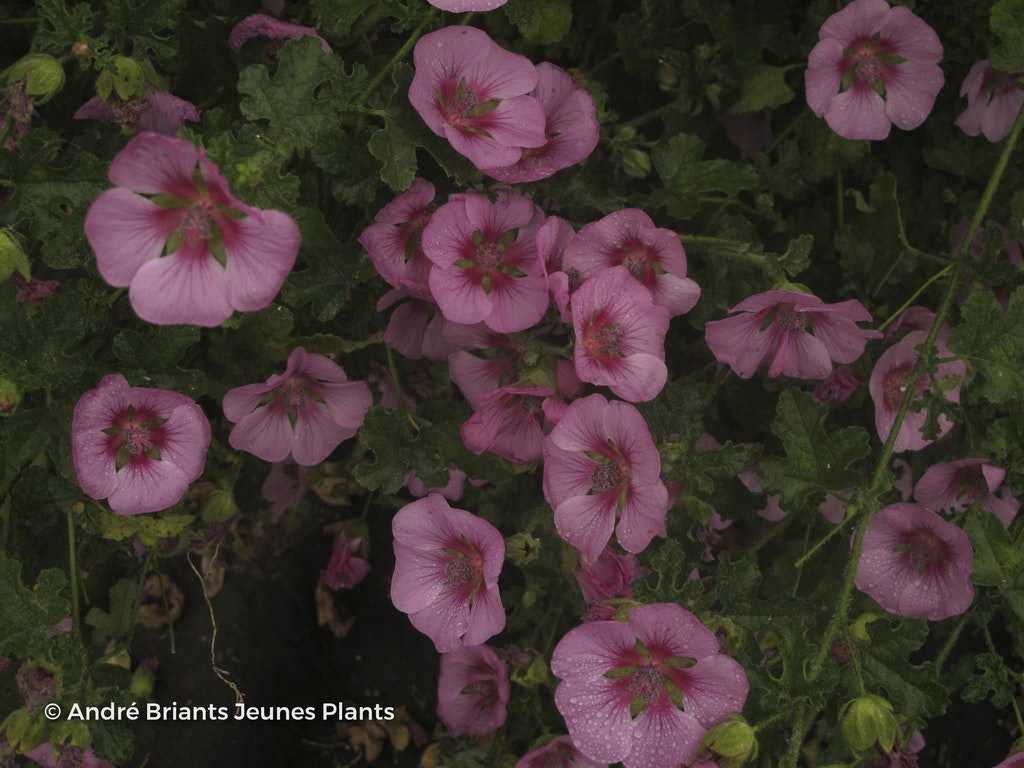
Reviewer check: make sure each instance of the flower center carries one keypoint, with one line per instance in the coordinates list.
(605, 477)
(488, 255)
(636, 262)
(791, 321)
(295, 398)
(610, 339)
(647, 683)
(137, 439)
(196, 223)
(894, 385)
(458, 571)
(925, 550)
(868, 69)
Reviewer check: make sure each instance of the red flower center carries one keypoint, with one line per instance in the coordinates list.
(459, 571)
(197, 222)
(606, 476)
(647, 683)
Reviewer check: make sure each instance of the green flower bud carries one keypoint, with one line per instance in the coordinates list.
(142, 683)
(43, 76)
(124, 78)
(12, 257)
(636, 163)
(9, 397)
(218, 506)
(521, 548)
(867, 721)
(733, 740)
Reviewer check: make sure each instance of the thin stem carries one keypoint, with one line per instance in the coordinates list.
(799, 573)
(76, 626)
(401, 54)
(947, 647)
(840, 201)
(166, 604)
(785, 132)
(941, 273)
(828, 537)
(796, 740)
(647, 117)
(395, 381)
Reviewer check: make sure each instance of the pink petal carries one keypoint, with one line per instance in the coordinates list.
(260, 255)
(265, 433)
(586, 522)
(126, 231)
(910, 91)
(186, 287)
(154, 164)
(147, 485)
(858, 113)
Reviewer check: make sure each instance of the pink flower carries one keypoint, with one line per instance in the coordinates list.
(608, 576)
(1015, 760)
(304, 413)
(994, 100)
(416, 328)
(472, 691)
(462, 6)
(653, 255)
(889, 381)
(66, 755)
(620, 335)
(345, 570)
(447, 563)
(137, 448)
(192, 253)
(508, 422)
(837, 387)
(914, 563)
(157, 111)
(866, 50)
(601, 465)
(452, 491)
(394, 243)
(571, 129)
(794, 334)
(259, 24)
(640, 690)
(955, 485)
(32, 291)
(284, 487)
(486, 265)
(474, 93)
(557, 753)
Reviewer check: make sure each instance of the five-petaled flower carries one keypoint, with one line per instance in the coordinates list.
(305, 413)
(874, 66)
(447, 563)
(994, 99)
(138, 448)
(914, 563)
(188, 250)
(954, 485)
(642, 690)
(472, 691)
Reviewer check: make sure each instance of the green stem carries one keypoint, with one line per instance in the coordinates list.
(947, 647)
(395, 381)
(167, 605)
(647, 117)
(401, 54)
(892, 318)
(76, 626)
(840, 199)
(828, 537)
(796, 740)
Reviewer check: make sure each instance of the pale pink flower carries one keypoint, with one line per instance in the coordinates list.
(837, 387)
(463, 6)
(394, 242)
(954, 485)
(447, 563)
(474, 93)
(560, 752)
(416, 328)
(889, 381)
(637, 691)
(486, 265)
(138, 448)
(472, 691)
(620, 335)
(261, 25)
(509, 422)
(653, 255)
(864, 51)
(345, 569)
(284, 487)
(571, 129)
(994, 100)
(793, 333)
(602, 474)
(156, 111)
(189, 252)
(305, 413)
(914, 563)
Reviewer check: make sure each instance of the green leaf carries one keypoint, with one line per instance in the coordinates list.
(762, 86)
(26, 614)
(398, 159)
(149, 529)
(155, 348)
(549, 22)
(992, 344)
(398, 447)
(686, 176)
(796, 259)
(1007, 21)
(670, 580)
(816, 461)
(913, 689)
(149, 25)
(998, 562)
(993, 676)
(124, 607)
(62, 25)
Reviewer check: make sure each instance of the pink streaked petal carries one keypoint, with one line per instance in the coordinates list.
(265, 433)
(444, 621)
(801, 356)
(316, 435)
(589, 650)
(738, 342)
(998, 118)
(261, 25)
(677, 294)
(843, 340)
(516, 122)
(712, 689)
(911, 37)
(218, 190)
(241, 401)
(476, 377)
(518, 303)
(566, 473)
(910, 91)
(147, 485)
(587, 522)
(459, 295)
(1005, 507)
(486, 617)
(671, 630)
(260, 255)
(596, 707)
(154, 164)
(824, 75)
(858, 113)
(166, 113)
(481, 150)
(463, 6)
(857, 22)
(95, 462)
(187, 287)
(409, 205)
(418, 578)
(643, 516)
(185, 439)
(660, 730)
(127, 230)
(347, 403)
(637, 378)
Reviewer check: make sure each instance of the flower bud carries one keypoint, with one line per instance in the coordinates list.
(12, 257)
(9, 397)
(218, 506)
(867, 721)
(521, 548)
(143, 680)
(43, 76)
(124, 77)
(732, 740)
(636, 163)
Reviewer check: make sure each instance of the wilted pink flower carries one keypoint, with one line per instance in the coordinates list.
(994, 100)
(156, 111)
(866, 50)
(889, 381)
(191, 253)
(462, 6)
(32, 291)
(474, 93)
(914, 563)
(608, 576)
(345, 570)
(36, 685)
(954, 485)
(138, 448)
(653, 255)
(447, 563)
(620, 335)
(508, 422)
(793, 333)
(472, 691)
(601, 474)
(261, 25)
(837, 387)
(416, 328)
(66, 755)
(394, 242)
(557, 753)
(284, 487)
(571, 129)
(638, 691)
(486, 265)
(452, 491)
(305, 413)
